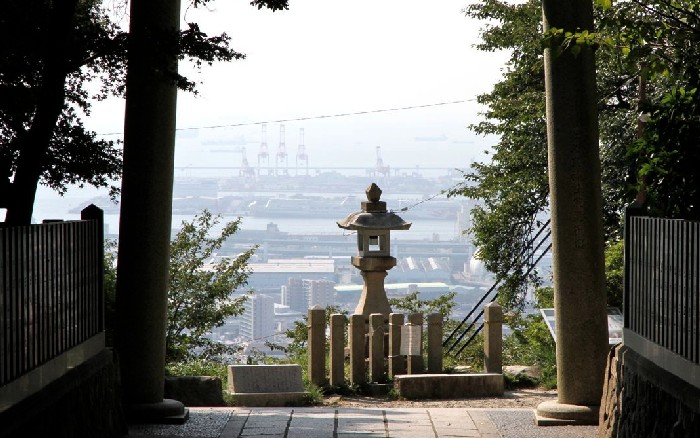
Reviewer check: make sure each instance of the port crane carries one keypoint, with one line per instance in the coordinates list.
(263, 155)
(301, 153)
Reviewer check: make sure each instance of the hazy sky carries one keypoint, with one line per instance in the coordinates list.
(325, 57)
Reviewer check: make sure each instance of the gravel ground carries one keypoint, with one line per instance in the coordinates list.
(521, 424)
(203, 423)
(518, 399)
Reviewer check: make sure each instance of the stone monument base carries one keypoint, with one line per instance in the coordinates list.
(270, 399)
(441, 386)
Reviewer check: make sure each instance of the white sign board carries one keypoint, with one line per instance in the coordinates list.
(410, 340)
(615, 323)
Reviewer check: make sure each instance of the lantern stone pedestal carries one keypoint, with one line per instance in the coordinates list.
(373, 298)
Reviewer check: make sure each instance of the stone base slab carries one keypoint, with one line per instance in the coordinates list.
(553, 413)
(269, 399)
(426, 386)
(168, 411)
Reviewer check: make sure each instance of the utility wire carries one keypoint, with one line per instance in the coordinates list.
(323, 116)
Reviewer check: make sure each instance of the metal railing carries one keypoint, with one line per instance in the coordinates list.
(471, 325)
(51, 292)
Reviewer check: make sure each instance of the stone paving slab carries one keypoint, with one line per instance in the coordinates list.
(326, 422)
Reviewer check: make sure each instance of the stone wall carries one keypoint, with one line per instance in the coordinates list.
(642, 400)
(85, 402)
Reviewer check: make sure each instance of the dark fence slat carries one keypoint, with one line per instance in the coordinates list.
(50, 284)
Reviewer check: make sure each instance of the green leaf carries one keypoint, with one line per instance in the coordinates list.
(604, 4)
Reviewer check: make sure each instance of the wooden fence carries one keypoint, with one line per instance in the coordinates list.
(662, 292)
(51, 296)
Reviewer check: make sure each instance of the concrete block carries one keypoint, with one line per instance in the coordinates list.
(438, 386)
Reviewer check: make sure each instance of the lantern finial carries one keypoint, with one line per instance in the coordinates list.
(373, 193)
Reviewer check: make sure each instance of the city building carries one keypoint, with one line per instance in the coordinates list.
(258, 318)
(319, 292)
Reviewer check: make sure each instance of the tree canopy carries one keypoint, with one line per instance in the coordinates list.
(56, 59)
(199, 295)
(647, 76)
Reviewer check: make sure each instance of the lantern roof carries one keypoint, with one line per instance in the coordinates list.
(374, 215)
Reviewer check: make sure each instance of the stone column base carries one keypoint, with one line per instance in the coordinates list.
(553, 413)
(166, 412)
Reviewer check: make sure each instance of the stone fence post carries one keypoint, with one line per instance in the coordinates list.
(493, 338)
(397, 363)
(415, 363)
(317, 345)
(376, 347)
(337, 356)
(435, 343)
(356, 338)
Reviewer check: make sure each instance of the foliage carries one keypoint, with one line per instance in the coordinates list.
(614, 274)
(472, 355)
(412, 304)
(56, 59)
(199, 296)
(298, 337)
(199, 367)
(513, 187)
(530, 342)
(110, 290)
(648, 70)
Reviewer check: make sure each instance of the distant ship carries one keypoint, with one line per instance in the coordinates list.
(324, 207)
(304, 206)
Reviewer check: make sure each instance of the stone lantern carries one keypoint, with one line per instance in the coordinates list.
(373, 225)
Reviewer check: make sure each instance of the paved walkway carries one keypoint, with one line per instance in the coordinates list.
(328, 422)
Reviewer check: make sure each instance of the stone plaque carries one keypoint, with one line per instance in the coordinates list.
(264, 378)
(411, 340)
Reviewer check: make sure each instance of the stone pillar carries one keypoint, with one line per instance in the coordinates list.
(493, 338)
(337, 356)
(435, 343)
(317, 345)
(397, 363)
(575, 203)
(376, 347)
(146, 211)
(356, 338)
(415, 363)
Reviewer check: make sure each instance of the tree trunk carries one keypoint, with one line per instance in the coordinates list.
(35, 142)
